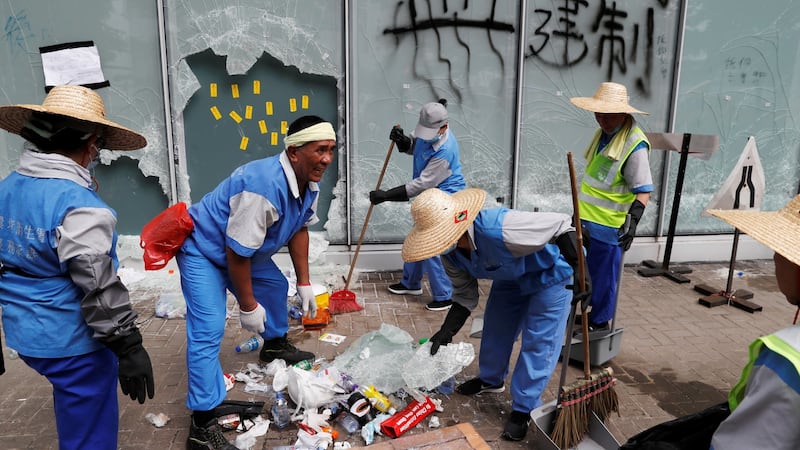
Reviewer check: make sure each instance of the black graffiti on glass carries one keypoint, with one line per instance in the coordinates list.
(436, 22)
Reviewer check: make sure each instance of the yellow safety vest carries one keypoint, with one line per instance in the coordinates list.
(605, 196)
(785, 342)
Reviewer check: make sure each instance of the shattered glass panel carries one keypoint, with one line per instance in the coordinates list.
(740, 77)
(571, 47)
(415, 52)
(136, 183)
(241, 73)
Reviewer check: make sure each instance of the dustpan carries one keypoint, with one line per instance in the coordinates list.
(598, 437)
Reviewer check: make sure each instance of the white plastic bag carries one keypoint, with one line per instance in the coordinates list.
(310, 389)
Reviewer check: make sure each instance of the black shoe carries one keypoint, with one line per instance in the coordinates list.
(605, 326)
(281, 348)
(439, 305)
(476, 386)
(517, 426)
(208, 437)
(400, 289)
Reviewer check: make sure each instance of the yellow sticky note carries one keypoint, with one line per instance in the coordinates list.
(292, 104)
(256, 87)
(262, 125)
(243, 143)
(213, 88)
(304, 102)
(248, 112)
(235, 116)
(274, 138)
(269, 108)
(216, 112)
(235, 90)
(284, 126)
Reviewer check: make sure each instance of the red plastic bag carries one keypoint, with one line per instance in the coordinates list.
(163, 236)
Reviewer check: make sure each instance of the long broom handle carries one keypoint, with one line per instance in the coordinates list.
(366, 219)
(581, 263)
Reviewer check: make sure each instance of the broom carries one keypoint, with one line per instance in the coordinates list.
(344, 301)
(595, 393)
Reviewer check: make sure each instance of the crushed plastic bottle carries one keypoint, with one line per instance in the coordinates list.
(249, 345)
(280, 411)
(12, 354)
(376, 398)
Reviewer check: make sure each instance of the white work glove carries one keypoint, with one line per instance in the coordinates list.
(253, 320)
(306, 294)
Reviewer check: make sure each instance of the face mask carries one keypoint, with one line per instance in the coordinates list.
(96, 160)
(433, 140)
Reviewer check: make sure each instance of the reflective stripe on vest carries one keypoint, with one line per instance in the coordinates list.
(785, 342)
(605, 196)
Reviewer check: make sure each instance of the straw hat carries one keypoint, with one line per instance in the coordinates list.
(75, 102)
(778, 230)
(439, 220)
(608, 98)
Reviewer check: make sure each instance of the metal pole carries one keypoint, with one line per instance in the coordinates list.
(518, 110)
(162, 43)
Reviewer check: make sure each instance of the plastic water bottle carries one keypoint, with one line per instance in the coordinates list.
(280, 411)
(249, 345)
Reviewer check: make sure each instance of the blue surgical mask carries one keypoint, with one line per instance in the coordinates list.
(434, 139)
(96, 160)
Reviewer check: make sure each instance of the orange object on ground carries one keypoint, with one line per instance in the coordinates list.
(322, 320)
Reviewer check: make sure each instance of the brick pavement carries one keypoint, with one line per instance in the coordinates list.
(677, 357)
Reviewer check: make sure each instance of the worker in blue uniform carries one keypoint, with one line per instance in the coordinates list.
(531, 258)
(436, 164)
(65, 310)
(262, 206)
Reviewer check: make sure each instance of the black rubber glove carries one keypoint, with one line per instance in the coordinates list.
(452, 323)
(397, 194)
(135, 370)
(568, 245)
(403, 142)
(626, 235)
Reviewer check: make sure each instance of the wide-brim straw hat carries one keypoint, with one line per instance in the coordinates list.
(439, 221)
(609, 98)
(778, 230)
(75, 102)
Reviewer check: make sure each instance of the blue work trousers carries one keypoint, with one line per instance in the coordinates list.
(205, 289)
(441, 288)
(541, 319)
(84, 398)
(603, 262)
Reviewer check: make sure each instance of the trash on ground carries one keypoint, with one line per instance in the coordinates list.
(171, 305)
(159, 420)
(331, 338)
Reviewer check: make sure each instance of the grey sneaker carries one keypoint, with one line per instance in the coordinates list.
(208, 437)
(477, 386)
(400, 289)
(281, 348)
(440, 305)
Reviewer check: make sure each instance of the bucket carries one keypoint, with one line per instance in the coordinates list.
(321, 295)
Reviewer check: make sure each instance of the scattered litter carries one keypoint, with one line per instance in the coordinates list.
(341, 445)
(247, 440)
(159, 420)
(230, 381)
(316, 440)
(331, 338)
(434, 422)
(372, 427)
(171, 305)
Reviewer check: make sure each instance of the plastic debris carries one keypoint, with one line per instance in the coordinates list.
(159, 420)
